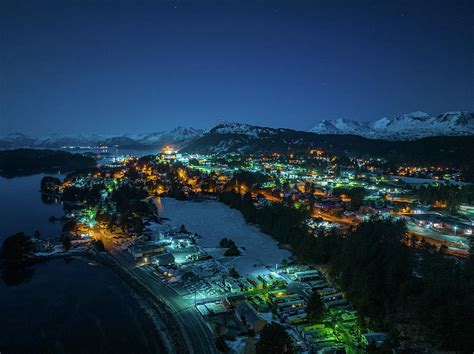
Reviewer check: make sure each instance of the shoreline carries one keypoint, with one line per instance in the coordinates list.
(162, 317)
(159, 314)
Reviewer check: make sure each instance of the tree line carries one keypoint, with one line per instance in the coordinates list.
(453, 196)
(28, 161)
(401, 289)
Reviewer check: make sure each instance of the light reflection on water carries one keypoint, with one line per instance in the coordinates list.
(63, 306)
(22, 208)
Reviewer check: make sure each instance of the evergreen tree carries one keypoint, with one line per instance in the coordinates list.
(274, 340)
(17, 248)
(315, 307)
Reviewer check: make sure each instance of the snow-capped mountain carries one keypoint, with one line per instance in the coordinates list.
(57, 140)
(244, 138)
(340, 125)
(16, 139)
(247, 139)
(237, 136)
(179, 136)
(243, 129)
(175, 135)
(409, 126)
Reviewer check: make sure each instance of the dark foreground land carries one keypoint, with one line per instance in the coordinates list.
(20, 162)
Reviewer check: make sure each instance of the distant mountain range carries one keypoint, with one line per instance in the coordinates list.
(405, 127)
(452, 151)
(178, 137)
(238, 137)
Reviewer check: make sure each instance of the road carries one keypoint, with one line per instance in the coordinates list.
(457, 245)
(347, 221)
(196, 332)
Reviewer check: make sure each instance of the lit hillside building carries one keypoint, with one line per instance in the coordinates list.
(168, 153)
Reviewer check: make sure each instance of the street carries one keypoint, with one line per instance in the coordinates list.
(196, 333)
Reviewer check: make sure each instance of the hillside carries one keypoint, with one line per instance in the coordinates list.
(27, 161)
(247, 139)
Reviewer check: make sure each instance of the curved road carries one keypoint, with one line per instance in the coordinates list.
(196, 332)
(197, 335)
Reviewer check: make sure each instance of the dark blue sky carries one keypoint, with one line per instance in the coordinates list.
(136, 66)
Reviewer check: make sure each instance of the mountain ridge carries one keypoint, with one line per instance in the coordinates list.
(410, 126)
(178, 136)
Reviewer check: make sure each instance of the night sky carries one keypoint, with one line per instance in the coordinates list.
(136, 66)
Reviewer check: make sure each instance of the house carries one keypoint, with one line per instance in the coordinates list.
(286, 298)
(164, 259)
(282, 306)
(310, 275)
(294, 319)
(146, 250)
(334, 349)
(247, 314)
(327, 291)
(377, 338)
(343, 303)
(349, 316)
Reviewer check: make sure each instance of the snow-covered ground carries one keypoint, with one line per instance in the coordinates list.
(416, 180)
(213, 221)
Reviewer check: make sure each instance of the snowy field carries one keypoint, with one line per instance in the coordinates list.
(213, 221)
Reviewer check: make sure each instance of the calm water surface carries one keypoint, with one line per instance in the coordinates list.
(64, 306)
(22, 208)
(73, 307)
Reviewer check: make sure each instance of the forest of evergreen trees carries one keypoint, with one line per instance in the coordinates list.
(19, 162)
(409, 292)
(452, 195)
